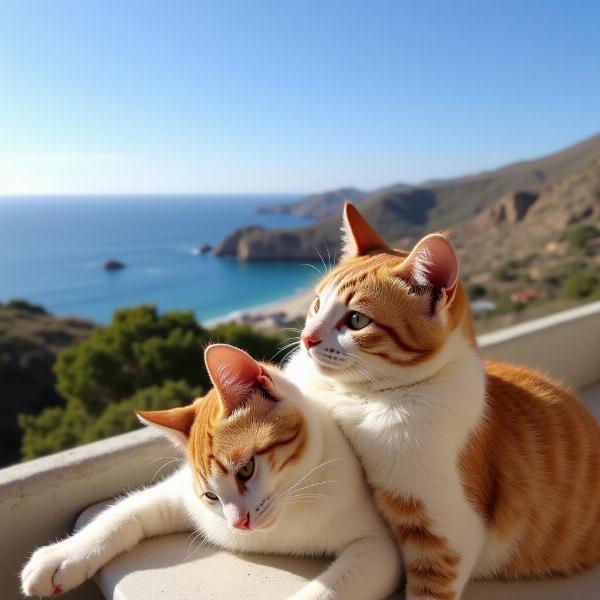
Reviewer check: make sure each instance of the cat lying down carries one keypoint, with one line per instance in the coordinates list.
(267, 471)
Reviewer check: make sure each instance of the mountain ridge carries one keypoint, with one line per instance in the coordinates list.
(398, 212)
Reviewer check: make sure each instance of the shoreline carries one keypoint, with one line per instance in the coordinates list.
(270, 314)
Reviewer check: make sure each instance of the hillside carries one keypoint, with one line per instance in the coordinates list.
(541, 248)
(316, 206)
(29, 342)
(399, 213)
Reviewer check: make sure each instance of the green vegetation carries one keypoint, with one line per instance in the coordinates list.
(578, 237)
(141, 360)
(507, 271)
(506, 305)
(582, 285)
(476, 291)
(26, 306)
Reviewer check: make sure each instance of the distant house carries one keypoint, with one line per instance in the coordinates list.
(483, 306)
(525, 296)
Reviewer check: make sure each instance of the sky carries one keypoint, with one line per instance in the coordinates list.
(286, 96)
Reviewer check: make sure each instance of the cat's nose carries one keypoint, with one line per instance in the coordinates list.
(310, 340)
(243, 522)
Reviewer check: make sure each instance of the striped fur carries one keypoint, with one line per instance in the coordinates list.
(480, 469)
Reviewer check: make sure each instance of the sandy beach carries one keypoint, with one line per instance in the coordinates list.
(270, 316)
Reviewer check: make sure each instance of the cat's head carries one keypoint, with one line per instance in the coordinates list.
(245, 439)
(382, 311)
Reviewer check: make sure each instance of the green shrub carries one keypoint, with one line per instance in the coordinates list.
(578, 237)
(581, 285)
(141, 360)
(507, 305)
(507, 272)
(120, 417)
(26, 306)
(476, 291)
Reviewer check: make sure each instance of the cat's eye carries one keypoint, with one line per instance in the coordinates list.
(246, 471)
(317, 304)
(357, 320)
(211, 496)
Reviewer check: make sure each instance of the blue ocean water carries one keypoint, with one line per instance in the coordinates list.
(52, 250)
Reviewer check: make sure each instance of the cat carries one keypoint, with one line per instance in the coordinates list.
(481, 469)
(267, 471)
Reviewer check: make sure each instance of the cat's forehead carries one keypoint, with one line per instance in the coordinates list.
(220, 445)
(371, 272)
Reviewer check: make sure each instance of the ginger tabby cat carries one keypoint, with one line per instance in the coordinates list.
(481, 469)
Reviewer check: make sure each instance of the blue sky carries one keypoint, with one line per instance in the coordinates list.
(286, 96)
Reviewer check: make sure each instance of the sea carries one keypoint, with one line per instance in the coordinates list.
(52, 250)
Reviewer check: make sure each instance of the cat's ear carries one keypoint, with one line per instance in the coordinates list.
(175, 423)
(358, 237)
(234, 374)
(432, 265)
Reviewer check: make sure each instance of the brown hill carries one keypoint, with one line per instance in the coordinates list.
(317, 206)
(551, 241)
(399, 213)
(29, 342)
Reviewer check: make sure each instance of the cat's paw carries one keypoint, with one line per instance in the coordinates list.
(54, 569)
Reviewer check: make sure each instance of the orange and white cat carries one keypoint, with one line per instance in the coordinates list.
(482, 470)
(268, 471)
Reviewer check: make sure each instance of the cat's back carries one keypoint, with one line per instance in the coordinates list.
(533, 471)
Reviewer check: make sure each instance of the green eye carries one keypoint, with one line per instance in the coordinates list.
(211, 496)
(246, 471)
(317, 304)
(357, 320)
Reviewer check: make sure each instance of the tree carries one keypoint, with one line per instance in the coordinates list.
(141, 360)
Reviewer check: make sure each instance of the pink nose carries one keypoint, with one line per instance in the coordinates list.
(243, 522)
(310, 340)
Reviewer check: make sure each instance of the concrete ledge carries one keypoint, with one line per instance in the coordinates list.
(566, 345)
(167, 567)
(40, 499)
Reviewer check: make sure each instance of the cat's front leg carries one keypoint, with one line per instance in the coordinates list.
(58, 567)
(369, 568)
(441, 541)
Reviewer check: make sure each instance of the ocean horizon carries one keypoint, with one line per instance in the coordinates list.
(52, 250)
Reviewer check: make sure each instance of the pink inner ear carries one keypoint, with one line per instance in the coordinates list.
(442, 269)
(225, 362)
(234, 373)
(433, 262)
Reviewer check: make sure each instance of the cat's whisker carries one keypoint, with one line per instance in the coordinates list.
(313, 496)
(320, 466)
(322, 260)
(314, 485)
(196, 536)
(286, 356)
(364, 363)
(367, 375)
(317, 277)
(166, 458)
(176, 460)
(328, 257)
(284, 348)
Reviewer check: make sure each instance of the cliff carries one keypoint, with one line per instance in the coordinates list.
(400, 213)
